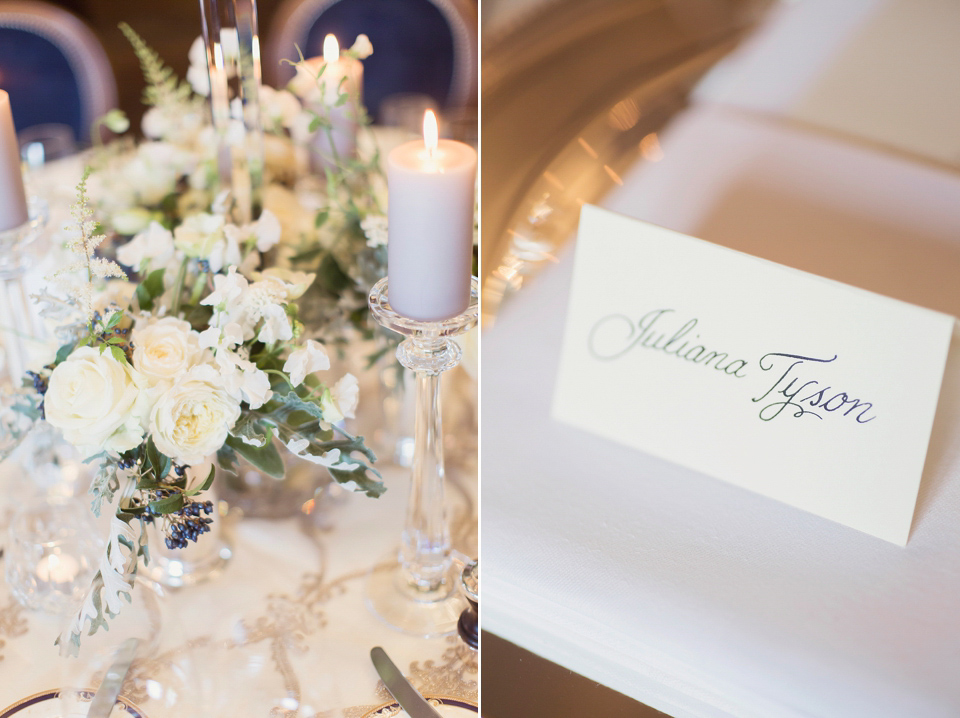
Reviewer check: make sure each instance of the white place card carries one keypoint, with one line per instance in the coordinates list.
(803, 389)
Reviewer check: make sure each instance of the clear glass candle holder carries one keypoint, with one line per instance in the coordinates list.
(51, 554)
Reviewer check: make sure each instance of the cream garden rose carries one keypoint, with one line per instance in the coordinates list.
(96, 402)
(165, 349)
(192, 418)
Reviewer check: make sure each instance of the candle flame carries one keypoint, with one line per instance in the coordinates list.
(331, 49)
(430, 131)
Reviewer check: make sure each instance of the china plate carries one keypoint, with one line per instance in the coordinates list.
(48, 704)
(447, 707)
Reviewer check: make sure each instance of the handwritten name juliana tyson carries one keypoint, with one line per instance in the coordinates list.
(793, 393)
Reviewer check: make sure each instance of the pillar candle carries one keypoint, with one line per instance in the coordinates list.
(341, 73)
(431, 186)
(13, 198)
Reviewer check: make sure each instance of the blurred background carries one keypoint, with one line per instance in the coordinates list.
(425, 54)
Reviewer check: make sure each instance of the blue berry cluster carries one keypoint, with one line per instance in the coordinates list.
(39, 386)
(184, 525)
(187, 524)
(39, 382)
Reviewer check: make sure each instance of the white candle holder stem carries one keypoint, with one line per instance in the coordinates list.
(417, 594)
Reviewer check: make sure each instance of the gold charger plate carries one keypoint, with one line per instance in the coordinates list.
(48, 704)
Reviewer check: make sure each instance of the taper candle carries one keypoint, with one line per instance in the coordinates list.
(431, 186)
(341, 74)
(13, 198)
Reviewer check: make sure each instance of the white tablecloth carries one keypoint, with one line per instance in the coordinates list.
(292, 600)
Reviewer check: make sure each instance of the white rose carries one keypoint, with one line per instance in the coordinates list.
(153, 247)
(309, 358)
(95, 401)
(156, 123)
(165, 349)
(130, 221)
(199, 234)
(192, 418)
(150, 183)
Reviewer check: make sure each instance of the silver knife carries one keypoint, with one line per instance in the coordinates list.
(406, 695)
(106, 696)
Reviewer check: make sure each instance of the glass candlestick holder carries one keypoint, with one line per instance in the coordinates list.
(17, 322)
(418, 595)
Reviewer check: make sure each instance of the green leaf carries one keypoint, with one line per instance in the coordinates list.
(361, 476)
(227, 459)
(341, 100)
(168, 505)
(207, 483)
(292, 403)
(149, 289)
(63, 352)
(118, 354)
(250, 427)
(104, 485)
(330, 277)
(159, 464)
(322, 216)
(114, 320)
(307, 255)
(266, 458)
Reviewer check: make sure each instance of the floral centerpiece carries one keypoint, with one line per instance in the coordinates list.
(164, 381)
(194, 354)
(332, 225)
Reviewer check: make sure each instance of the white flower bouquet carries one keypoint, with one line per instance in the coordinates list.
(163, 382)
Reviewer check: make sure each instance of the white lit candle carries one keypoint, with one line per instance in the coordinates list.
(341, 74)
(13, 199)
(430, 225)
(58, 568)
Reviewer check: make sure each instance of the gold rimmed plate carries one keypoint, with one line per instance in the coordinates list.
(65, 704)
(446, 706)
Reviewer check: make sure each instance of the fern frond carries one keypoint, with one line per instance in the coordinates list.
(163, 86)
